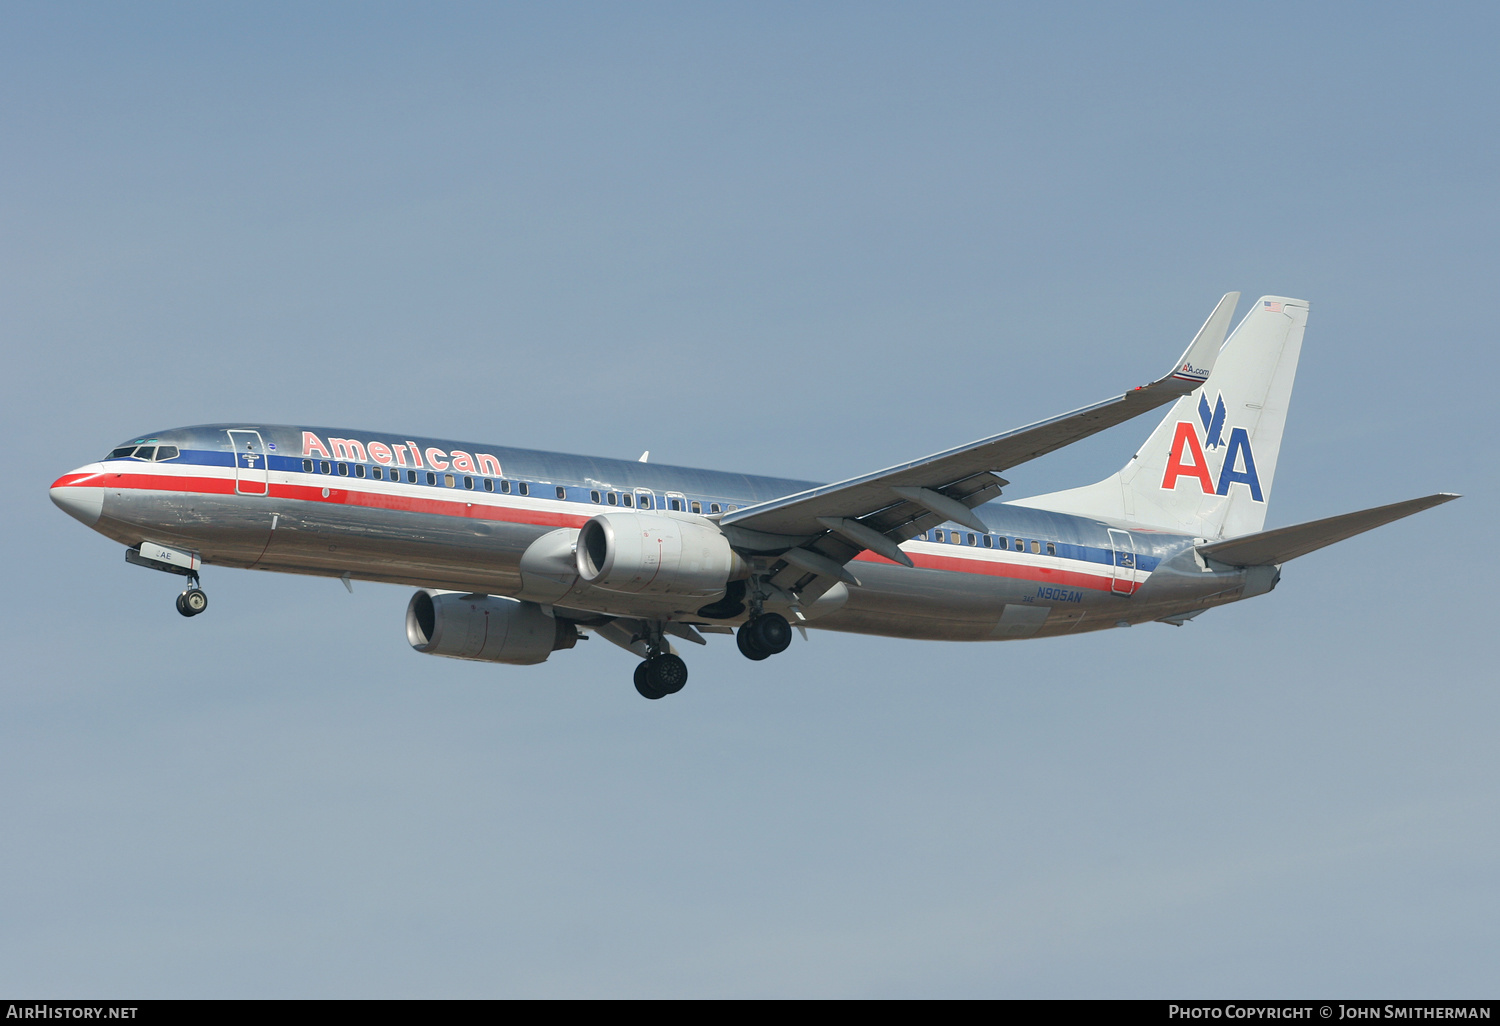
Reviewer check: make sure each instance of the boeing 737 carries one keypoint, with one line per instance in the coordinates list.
(518, 553)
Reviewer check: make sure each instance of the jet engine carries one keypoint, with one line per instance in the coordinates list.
(487, 628)
(651, 554)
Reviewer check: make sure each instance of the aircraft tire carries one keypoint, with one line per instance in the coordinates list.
(667, 673)
(643, 682)
(182, 608)
(771, 632)
(194, 601)
(749, 648)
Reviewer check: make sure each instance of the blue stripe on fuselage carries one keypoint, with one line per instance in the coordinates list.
(1075, 538)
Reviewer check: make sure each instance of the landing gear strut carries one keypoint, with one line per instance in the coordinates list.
(193, 601)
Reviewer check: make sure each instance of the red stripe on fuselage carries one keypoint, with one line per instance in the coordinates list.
(341, 496)
(544, 518)
(1016, 571)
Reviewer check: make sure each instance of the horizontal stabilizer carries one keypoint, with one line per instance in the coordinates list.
(1286, 543)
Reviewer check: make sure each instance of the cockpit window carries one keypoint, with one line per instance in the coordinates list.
(153, 453)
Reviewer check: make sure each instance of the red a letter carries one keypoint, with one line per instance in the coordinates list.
(1187, 438)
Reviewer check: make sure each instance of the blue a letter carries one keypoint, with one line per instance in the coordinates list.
(1239, 442)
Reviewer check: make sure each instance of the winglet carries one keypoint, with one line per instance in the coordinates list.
(1198, 362)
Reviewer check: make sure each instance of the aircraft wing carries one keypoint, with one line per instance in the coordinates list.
(822, 528)
(1284, 543)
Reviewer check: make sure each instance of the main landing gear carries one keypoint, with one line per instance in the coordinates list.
(193, 601)
(663, 672)
(764, 636)
(661, 675)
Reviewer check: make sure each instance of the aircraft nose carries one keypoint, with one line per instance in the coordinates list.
(78, 495)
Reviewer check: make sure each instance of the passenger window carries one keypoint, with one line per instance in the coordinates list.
(697, 506)
(614, 500)
(957, 538)
(166, 452)
(431, 478)
(469, 483)
(377, 473)
(448, 480)
(359, 470)
(593, 496)
(1036, 548)
(1051, 549)
(972, 541)
(562, 493)
(645, 500)
(674, 504)
(989, 542)
(307, 466)
(504, 487)
(732, 507)
(625, 499)
(713, 507)
(489, 485)
(1020, 545)
(411, 477)
(525, 488)
(343, 470)
(937, 536)
(324, 468)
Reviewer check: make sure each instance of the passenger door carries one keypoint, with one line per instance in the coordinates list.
(1123, 572)
(252, 475)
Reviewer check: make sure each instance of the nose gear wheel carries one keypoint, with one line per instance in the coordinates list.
(192, 602)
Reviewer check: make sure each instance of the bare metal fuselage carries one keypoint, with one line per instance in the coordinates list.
(1035, 574)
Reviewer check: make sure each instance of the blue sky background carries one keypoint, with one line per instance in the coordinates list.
(808, 240)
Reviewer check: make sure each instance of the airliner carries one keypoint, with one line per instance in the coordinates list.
(518, 553)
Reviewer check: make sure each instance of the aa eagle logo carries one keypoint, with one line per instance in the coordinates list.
(1189, 459)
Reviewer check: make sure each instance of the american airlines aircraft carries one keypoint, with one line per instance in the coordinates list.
(517, 553)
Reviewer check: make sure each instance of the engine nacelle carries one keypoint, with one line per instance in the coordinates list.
(650, 554)
(487, 628)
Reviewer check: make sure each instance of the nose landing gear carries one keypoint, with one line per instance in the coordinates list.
(184, 564)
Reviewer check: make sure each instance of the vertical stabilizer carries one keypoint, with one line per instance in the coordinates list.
(1207, 468)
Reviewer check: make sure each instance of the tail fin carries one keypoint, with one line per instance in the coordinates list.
(1207, 468)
